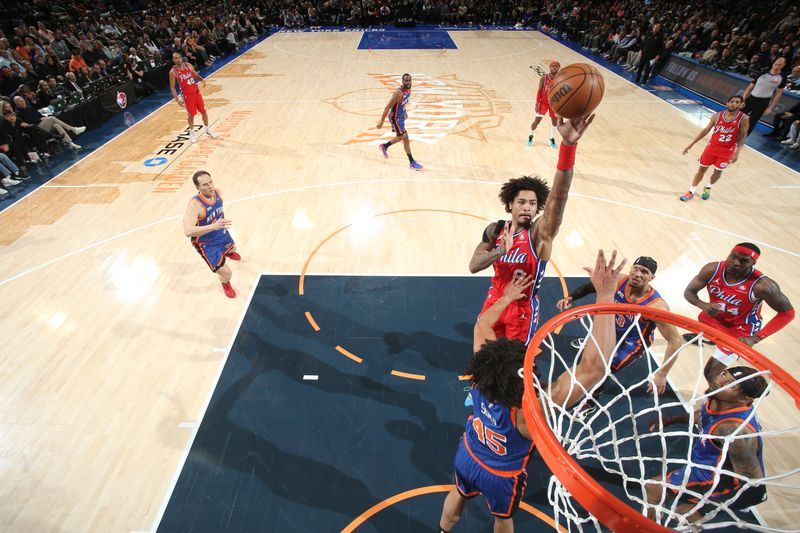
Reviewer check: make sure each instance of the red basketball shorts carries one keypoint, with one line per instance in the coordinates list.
(518, 321)
(544, 109)
(194, 103)
(717, 156)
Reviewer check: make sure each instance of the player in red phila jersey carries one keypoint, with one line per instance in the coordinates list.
(543, 105)
(522, 246)
(727, 138)
(736, 290)
(187, 77)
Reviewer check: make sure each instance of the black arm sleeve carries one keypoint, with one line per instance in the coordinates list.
(583, 290)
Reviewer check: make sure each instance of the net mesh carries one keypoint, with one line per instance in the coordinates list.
(608, 432)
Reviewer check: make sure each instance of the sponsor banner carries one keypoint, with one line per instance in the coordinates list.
(717, 85)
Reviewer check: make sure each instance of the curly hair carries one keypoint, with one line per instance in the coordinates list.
(494, 370)
(512, 187)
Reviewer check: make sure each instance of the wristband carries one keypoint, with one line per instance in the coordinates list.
(566, 157)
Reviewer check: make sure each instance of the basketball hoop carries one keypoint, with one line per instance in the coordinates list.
(613, 439)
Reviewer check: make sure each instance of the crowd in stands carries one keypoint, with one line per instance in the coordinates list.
(62, 51)
(57, 49)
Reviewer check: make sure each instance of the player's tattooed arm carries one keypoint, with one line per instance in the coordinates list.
(553, 213)
(698, 283)
(487, 252)
(766, 289)
(742, 451)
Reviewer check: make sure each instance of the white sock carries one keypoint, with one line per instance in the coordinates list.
(708, 186)
(553, 130)
(692, 189)
(532, 132)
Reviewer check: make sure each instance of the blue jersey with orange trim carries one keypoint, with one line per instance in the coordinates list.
(213, 212)
(740, 307)
(399, 109)
(706, 451)
(492, 439)
(623, 322)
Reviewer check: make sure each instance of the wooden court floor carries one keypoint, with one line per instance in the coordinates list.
(113, 331)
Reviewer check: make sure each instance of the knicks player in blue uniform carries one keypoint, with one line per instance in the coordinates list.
(635, 289)
(205, 224)
(396, 110)
(727, 412)
(496, 445)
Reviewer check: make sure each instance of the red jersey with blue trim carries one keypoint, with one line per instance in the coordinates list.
(726, 132)
(546, 87)
(740, 308)
(520, 259)
(623, 322)
(492, 439)
(186, 80)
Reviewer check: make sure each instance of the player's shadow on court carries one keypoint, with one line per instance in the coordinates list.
(439, 352)
(229, 446)
(289, 362)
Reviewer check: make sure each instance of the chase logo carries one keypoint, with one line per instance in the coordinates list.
(155, 161)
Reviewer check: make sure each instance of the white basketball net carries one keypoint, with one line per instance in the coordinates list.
(615, 439)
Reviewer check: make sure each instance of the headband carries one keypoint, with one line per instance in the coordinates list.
(746, 251)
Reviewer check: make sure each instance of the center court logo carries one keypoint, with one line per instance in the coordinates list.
(439, 106)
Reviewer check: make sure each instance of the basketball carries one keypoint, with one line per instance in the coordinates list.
(576, 90)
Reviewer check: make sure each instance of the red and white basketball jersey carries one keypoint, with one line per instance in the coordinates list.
(521, 258)
(740, 307)
(546, 87)
(186, 80)
(725, 134)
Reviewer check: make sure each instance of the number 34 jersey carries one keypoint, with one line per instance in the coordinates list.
(741, 310)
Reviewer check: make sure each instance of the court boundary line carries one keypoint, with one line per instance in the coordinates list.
(384, 181)
(199, 420)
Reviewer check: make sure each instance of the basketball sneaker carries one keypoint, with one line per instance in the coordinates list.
(192, 137)
(384, 151)
(233, 255)
(530, 140)
(211, 133)
(706, 193)
(415, 166)
(229, 292)
(553, 144)
(688, 196)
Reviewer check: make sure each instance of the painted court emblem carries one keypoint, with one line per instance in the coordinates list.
(439, 106)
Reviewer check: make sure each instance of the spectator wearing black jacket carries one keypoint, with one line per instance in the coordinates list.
(652, 50)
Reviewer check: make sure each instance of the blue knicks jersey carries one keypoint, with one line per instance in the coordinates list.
(708, 451)
(213, 212)
(399, 109)
(492, 439)
(623, 322)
